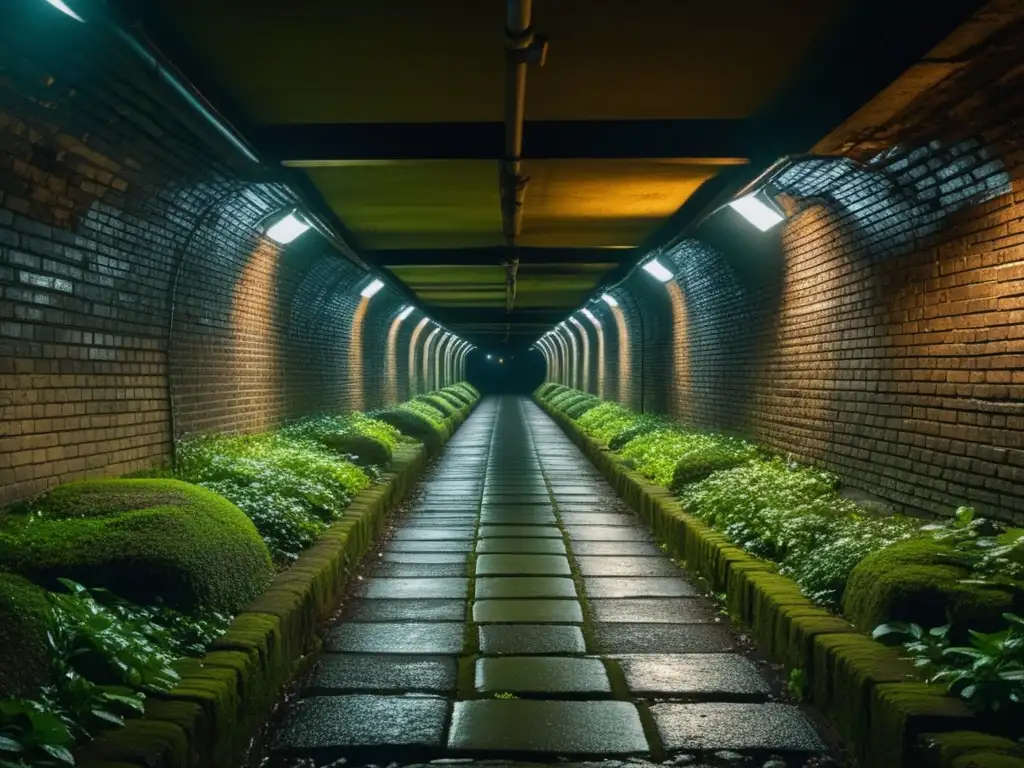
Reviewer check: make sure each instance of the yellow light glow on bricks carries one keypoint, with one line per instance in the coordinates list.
(414, 388)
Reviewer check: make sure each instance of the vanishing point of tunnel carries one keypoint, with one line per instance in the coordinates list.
(511, 382)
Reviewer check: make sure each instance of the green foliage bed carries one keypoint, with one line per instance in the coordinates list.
(873, 568)
(166, 562)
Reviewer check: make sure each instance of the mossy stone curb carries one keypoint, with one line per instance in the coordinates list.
(211, 717)
(870, 694)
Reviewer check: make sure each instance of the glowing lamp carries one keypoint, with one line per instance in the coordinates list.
(756, 211)
(608, 299)
(405, 312)
(657, 270)
(371, 290)
(287, 229)
(60, 6)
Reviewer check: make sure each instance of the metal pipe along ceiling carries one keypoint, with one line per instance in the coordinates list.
(521, 47)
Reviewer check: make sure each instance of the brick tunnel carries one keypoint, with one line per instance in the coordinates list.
(511, 383)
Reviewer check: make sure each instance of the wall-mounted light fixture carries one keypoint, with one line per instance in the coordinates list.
(60, 6)
(371, 290)
(406, 311)
(658, 271)
(759, 209)
(608, 299)
(287, 228)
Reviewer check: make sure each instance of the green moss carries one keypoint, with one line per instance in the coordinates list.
(970, 749)
(365, 449)
(141, 742)
(142, 539)
(921, 580)
(457, 396)
(845, 669)
(437, 401)
(580, 408)
(414, 424)
(900, 714)
(24, 621)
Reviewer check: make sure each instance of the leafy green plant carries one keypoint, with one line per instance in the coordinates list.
(106, 655)
(794, 517)
(641, 425)
(440, 403)
(290, 488)
(425, 410)
(581, 406)
(994, 552)
(606, 420)
(796, 684)
(673, 457)
(988, 674)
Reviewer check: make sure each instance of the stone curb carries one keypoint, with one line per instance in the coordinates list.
(210, 719)
(871, 695)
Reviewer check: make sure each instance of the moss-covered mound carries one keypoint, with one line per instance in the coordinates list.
(24, 621)
(365, 449)
(414, 424)
(459, 396)
(442, 404)
(146, 540)
(586, 403)
(449, 397)
(921, 580)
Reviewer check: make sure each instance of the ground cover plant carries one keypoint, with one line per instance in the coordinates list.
(186, 555)
(291, 488)
(101, 657)
(889, 571)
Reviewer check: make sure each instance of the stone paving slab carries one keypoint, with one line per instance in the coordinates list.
(437, 521)
(524, 587)
(414, 588)
(434, 534)
(521, 639)
(436, 638)
(727, 726)
(527, 611)
(407, 610)
(338, 672)
(626, 566)
(429, 546)
(327, 723)
(520, 531)
(525, 565)
(609, 586)
(521, 546)
(662, 638)
(608, 533)
(620, 548)
(551, 727)
(539, 674)
(597, 518)
(518, 517)
(652, 610)
(419, 570)
(704, 675)
(424, 557)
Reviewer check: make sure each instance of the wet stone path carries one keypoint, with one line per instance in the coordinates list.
(520, 611)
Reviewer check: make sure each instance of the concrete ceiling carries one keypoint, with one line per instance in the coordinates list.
(392, 110)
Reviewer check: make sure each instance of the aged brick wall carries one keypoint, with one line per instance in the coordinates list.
(879, 331)
(113, 208)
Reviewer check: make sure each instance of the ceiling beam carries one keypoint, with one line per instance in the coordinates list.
(468, 257)
(310, 144)
(521, 318)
